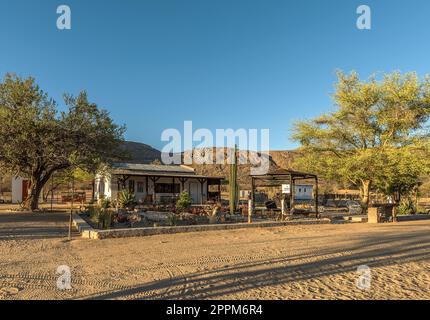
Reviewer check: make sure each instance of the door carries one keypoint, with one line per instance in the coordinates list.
(24, 189)
(195, 192)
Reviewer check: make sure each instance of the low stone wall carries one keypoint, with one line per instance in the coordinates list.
(413, 217)
(90, 233)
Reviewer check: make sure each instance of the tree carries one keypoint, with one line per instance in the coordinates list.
(404, 173)
(373, 121)
(64, 178)
(36, 140)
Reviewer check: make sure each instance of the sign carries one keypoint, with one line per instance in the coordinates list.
(286, 189)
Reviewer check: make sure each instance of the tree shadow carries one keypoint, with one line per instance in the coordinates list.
(373, 252)
(31, 226)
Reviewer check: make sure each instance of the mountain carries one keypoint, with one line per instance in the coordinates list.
(143, 153)
(140, 152)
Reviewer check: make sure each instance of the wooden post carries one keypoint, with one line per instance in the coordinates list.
(219, 191)
(173, 189)
(291, 194)
(71, 208)
(202, 181)
(251, 202)
(52, 191)
(316, 197)
(293, 189)
(153, 191)
(183, 180)
(146, 185)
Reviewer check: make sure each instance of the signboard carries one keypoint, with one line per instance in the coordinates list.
(286, 189)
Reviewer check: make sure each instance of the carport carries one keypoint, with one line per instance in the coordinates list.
(281, 178)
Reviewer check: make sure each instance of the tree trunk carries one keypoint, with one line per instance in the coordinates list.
(35, 190)
(365, 192)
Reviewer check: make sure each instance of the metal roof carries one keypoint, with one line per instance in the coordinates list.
(157, 170)
(153, 167)
(282, 173)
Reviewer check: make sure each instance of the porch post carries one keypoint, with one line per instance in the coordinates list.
(251, 202)
(291, 194)
(154, 193)
(293, 189)
(219, 190)
(316, 197)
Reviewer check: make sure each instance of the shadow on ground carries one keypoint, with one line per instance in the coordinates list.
(374, 251)
(29, 226)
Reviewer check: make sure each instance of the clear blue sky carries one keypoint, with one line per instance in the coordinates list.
(220, 63)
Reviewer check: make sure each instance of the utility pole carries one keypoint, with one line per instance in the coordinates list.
(52, 191)
(71, 208)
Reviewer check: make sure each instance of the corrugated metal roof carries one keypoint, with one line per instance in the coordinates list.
(153, 168)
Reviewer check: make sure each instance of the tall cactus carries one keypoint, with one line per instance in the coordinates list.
(234, 187)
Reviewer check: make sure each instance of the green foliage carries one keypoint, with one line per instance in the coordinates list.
(104, 203)
(184, 201)
(365, 140)
(233, 185)
(101, 216)
(172, 219)
(407, 207)
(36, 140)
(126, 199)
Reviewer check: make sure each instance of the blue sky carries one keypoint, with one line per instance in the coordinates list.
(222, 64)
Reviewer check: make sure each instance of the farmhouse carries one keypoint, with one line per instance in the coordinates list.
(157, 183)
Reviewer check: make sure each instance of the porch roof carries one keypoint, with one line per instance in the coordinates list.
(281, 174)
(150, 170)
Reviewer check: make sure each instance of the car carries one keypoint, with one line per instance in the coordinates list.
(354, 207)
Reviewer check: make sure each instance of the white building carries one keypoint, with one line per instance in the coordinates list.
(19, 189)
(157, 183)
(303, 192)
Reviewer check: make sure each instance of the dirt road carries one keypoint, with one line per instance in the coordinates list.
(295, 262)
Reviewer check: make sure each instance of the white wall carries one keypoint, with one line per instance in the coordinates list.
(17, 189)
(111, 187)
(303, 192)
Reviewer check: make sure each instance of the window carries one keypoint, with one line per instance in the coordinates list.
(167, 188)
(131, 185)
(102, 187)
(140, 187)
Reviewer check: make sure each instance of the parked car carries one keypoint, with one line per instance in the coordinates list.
(350, 206)
(354, 207)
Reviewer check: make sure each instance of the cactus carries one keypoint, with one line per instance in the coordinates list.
(234, 187)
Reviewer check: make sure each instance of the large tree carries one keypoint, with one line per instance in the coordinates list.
(36, 140)
(372, 123)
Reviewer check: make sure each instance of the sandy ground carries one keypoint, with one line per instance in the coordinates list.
(295, 262)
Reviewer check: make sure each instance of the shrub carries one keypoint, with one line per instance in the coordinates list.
(407, 208)
(126, 199)
(104, 203)
(172, 219)
(184, 201)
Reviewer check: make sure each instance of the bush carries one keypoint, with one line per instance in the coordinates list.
(172, 219)
(102, 217)
(406, 208)
(126, 199)
(104, 203)
(184, 201)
